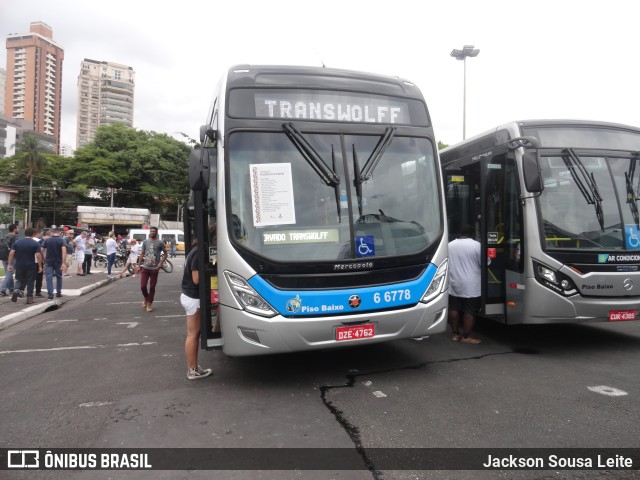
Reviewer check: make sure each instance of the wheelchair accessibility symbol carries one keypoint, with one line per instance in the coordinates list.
(632, 236)
(365, 247)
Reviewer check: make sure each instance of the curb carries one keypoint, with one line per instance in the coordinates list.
(32, 311)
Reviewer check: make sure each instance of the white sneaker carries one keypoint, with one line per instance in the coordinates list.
(198, 372)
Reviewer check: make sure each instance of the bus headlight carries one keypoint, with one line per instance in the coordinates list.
(438, 283)
(554, 279)
(247, 296)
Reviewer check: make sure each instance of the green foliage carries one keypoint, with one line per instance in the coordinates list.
(441, 145)
(146, 170)
(6, 214)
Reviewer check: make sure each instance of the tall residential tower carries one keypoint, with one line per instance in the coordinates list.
(34, 80)
(105, 96)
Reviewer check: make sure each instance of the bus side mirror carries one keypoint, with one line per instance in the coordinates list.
(532, 173)
(206, 132)
(199, 169)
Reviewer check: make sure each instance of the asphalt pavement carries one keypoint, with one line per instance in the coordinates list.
(73, 286)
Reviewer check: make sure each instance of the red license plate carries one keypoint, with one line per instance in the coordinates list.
(622, 315)
(355, 332)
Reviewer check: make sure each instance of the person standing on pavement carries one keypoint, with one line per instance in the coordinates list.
(132, 259)
(80, 248)
(464, 293)
(68, 243)
(40, 273)
(55, 256)
(110, 250)
(190, 300)
(23, 253)
(90, 244)
(172, 246)
(153, 253)
(7, 283)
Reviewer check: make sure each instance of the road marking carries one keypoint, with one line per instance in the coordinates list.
(137, 301)
(130, 324)
(169, 316)
(368, 383)
(56, 321)
(102, 318)
(610, 391)
(95, 404)
(84, 347)
(379, 394)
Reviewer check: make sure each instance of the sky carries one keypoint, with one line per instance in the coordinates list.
(560, 59)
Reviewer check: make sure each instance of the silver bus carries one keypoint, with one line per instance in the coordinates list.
(555, 208)
(326, 192)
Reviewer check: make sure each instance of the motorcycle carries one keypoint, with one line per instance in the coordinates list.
(100, 260)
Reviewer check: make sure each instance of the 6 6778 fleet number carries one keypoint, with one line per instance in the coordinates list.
(392, 296)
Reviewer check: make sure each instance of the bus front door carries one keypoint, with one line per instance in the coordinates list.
(493, 230)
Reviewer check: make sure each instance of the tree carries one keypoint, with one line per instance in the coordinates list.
(32, 159)
(146, 168)
(441, 145)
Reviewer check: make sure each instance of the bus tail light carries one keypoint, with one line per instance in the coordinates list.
(554, 279)
(438, 283)
(247, 296)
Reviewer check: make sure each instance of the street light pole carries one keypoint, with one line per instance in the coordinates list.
(54, 185)
(467, 51)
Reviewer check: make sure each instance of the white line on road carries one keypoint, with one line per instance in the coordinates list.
(610, 391)
(169, 316)
(95, 404)
(379, 394)
(56, 321)
(137, 301)
(130, 324)
(84, 347)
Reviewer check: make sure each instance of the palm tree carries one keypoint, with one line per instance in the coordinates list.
(32, 160)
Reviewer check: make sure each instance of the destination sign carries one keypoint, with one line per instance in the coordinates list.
(336, 107)
(300, 236)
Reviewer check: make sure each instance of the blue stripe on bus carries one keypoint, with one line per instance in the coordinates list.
(292, 303)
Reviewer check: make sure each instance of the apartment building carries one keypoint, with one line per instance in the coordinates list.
(106, 92)
(3, 83)
(33, 89)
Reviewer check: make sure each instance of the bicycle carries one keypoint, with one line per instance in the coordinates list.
(167, 266)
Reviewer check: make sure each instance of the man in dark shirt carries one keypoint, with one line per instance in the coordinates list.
(7, 283)
(24, 251)
(55, 257)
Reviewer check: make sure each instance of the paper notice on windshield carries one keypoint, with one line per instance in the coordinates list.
(272, 194)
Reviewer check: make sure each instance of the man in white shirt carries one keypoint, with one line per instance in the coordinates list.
(80, 246)
(464, 286)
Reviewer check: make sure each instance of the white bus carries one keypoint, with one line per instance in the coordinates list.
(555, 208)
(142, 234)
(325, 187)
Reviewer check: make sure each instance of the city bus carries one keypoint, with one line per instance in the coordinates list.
(325, 190)
(555, 208)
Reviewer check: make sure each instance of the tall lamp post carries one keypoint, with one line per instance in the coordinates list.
(467, 51)
(54, 186)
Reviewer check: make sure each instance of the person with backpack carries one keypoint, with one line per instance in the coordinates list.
(10, 238)
(152, 256)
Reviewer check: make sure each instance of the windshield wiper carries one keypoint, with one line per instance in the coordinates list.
(372, 162)
(632, 195)
(326, 174)
(356, 182)
(585, 183)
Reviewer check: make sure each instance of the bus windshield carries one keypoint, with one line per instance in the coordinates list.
(301, 197)
(589, 202)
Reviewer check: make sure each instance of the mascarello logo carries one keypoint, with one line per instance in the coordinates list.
(603, 257)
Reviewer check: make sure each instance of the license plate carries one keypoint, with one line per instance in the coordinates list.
(355, 332)
(622, 315)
